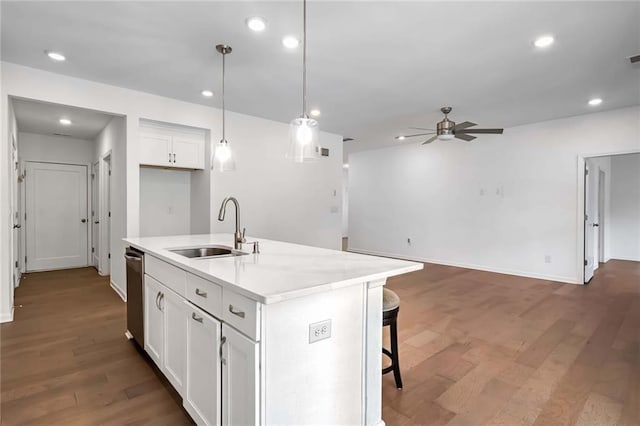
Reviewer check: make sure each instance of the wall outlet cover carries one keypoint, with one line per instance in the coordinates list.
(319, 331)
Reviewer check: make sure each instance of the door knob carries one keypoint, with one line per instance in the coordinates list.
(17, 226)
(84, 221)
(96, 222)
(595, 225)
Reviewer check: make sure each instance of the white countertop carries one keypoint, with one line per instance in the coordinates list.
(280, 271)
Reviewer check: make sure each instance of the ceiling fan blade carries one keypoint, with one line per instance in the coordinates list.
(465, 137)
(464, 125)
(485, 131)
(418, 134)
(422, 128)
(431, 139)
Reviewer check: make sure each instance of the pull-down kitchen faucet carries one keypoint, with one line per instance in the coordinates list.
(238, 236)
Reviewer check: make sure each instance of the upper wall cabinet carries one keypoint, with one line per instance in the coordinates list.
(171, 146)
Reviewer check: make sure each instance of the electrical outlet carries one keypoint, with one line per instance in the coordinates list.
(319, 331)
(547, 259)
(409, 240)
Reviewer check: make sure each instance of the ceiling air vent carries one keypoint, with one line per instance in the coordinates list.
(61, 134)
(635, 59)
(347, 139)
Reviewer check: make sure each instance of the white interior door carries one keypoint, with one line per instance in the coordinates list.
(589, 230)
(15, 212)
(56, 216)
(95, 216)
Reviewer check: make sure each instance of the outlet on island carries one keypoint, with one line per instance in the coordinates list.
(319, 331)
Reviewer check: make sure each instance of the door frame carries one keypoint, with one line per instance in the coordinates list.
(95, 215)
(16, 215)
(580, 211)
(23, 206)
(104, 185)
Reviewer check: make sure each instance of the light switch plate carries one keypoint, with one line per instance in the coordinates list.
(319, 331)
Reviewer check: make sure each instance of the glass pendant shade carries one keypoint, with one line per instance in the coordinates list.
(223, 159)
(303, 140)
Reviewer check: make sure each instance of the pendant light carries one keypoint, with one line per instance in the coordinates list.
(223, 159)
(303, 131)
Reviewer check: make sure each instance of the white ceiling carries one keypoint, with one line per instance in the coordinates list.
(43, 118)
(374, 68)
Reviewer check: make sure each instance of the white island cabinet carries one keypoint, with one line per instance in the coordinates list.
(292, 335)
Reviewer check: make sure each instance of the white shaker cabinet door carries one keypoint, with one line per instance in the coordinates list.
(175, 339)
(188, 152)
(153, 320)
(201, 398)
(155, 149)
(240, 378)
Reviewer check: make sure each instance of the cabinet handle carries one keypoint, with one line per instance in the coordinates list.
(169, 157)
(174, 158)
(223, 340)
(161, 299)
(158, 300)
(196, 317)
(234, 312)
(201, 293)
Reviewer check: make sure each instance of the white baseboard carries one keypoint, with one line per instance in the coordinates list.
(119, 291)
(8, 317)
(630, 259)
(557, 278)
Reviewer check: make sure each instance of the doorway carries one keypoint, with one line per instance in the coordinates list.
(105, 215)
(55, 216)
(95, 215)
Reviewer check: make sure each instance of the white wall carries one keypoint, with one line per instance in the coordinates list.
(279, 199)
(165, 202)
(500, 203)
(288, 213)
(625, 207)
(111, 141)
(345, 202)
(56, 149)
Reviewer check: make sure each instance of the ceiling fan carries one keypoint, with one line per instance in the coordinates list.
(447, 130)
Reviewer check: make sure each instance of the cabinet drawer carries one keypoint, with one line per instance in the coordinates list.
(242, 313)
(168, 275)
(205, 294)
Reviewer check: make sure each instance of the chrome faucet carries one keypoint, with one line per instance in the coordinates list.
(238, 237)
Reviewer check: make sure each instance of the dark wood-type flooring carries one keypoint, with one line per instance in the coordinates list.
(475, 348)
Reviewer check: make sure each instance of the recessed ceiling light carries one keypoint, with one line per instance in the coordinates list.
(256, 24)
(65, 121)
(314, 112)
(400, 138)
(544, 41)
(290, 42)
(595, 101)
(207, 93)
(56, 56)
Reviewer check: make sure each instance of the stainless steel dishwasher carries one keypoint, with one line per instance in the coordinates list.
(135, 294)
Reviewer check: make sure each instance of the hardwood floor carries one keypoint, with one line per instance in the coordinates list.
(475, 348)
(65, 360)
(481, 348)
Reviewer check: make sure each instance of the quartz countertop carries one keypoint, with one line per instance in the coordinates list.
(281, 271)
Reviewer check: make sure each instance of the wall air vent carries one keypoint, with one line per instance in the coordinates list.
(347, 139)
(61, 134)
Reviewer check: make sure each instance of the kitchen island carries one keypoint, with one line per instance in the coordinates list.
(290, 335)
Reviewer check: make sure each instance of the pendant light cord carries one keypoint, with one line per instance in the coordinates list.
(224, 54)
(304, 58)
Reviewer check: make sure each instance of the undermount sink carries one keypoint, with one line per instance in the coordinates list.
(206, 252)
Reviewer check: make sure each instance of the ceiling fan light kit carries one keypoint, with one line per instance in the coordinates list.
(447, 130)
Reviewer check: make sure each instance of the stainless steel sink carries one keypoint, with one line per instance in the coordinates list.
(206, 252)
